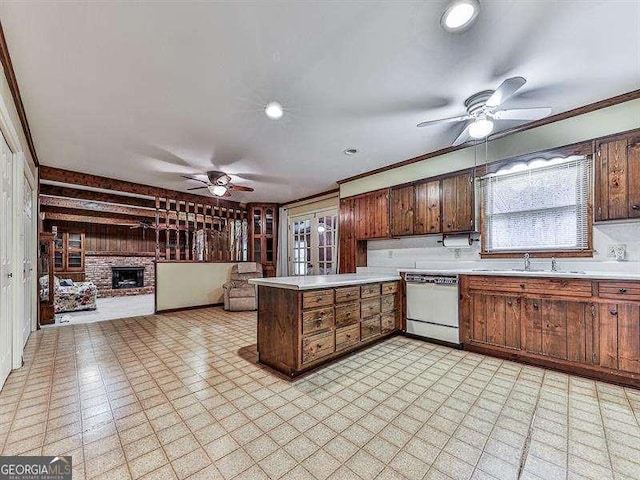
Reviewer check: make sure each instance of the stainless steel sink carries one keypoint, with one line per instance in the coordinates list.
(530, 270)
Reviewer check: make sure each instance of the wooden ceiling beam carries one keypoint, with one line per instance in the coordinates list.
(69, 217)
(69, 177)
(67, 192)
(93, 206)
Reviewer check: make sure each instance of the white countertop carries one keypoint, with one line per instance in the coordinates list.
(521, 273)
(311, 282)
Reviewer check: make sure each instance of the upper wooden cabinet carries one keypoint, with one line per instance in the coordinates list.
(347, 236)
(427, 208)
(402, 210)
(617, 178)
(458, 210)
(371, 212)
(263, 235)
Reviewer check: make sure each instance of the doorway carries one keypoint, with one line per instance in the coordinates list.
(313, 243)
(6, 258)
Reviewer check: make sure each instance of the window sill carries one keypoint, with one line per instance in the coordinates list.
(540, 254)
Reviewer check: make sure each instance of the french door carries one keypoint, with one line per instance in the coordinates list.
(313, 248)
(6, 259)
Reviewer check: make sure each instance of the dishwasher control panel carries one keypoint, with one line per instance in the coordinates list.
(438, 280)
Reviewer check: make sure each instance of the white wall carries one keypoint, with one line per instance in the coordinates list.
(425, 252)
(186, 284)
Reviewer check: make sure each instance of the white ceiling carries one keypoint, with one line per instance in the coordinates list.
(148, 91)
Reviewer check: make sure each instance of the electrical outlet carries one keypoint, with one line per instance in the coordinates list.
(389, 253)
(613, 248)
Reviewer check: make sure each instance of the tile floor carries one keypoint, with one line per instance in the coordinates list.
(178, 396)
(111, 308)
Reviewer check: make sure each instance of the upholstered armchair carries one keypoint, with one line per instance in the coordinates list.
(239, 294)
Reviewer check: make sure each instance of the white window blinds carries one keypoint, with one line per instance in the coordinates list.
(542, 205)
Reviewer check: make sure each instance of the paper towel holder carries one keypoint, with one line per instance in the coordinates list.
(471, 239)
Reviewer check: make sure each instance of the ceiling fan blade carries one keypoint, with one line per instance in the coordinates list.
(196, 179)
(197, 188)
(464, 136)
(240, 188)
(505, 90)
(459, 118)
(522, 113)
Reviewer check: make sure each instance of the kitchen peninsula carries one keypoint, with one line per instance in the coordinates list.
(304, 322)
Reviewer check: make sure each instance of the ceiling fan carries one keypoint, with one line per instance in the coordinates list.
(219, 184)
(482, 111)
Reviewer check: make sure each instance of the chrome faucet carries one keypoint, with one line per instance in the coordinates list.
(527, 262)
(554, 264)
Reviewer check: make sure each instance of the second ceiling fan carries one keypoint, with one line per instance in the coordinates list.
(483, 111)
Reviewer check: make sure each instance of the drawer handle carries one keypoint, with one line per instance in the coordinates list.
(522, 285)
(635, 207)
(318, 299)
(509, 303)
(348, 314)
(348, 335)
(535, 305)
(623, 290)
(319, 321)
(614, 312)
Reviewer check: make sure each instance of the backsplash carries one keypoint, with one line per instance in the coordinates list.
(425, 252)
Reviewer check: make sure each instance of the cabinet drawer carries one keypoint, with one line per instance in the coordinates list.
(347, 313)
(390, 287)
(372, 290)
(388, 322)
(347, 336)
(387, 303)
(318, 346)
(315, 320)
(369, 307)
(317, 298)
(348, 294)
(558, 287)
(370, 327)
(619, 290)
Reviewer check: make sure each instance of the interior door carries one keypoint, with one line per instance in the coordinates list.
(28, 261)
(6, 255)
(313, 248)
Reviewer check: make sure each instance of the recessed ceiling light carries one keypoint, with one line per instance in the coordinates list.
(459, 15)
(351, 151)
(480, 128)
(218, 190)
(273, 110)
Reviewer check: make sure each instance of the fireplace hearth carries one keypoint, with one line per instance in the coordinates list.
(127, 277)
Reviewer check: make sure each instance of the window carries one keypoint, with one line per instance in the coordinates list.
(539, 206)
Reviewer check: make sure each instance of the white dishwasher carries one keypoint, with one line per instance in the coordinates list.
(432, 307)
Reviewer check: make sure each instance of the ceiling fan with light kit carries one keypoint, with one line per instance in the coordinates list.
(483, 112)
(219, 184)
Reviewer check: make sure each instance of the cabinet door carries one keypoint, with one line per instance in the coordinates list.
(402, 210)
(611, 174)
(633, 163)
(531, 332)
(346, 232)
(458, 203)
(427, 208)
(619, 336)
(495, 319)
(372, 215)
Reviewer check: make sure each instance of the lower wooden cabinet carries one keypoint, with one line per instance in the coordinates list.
(589, 335)
(301, 330)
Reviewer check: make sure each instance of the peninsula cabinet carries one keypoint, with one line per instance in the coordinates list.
(301, 329)
(580, 326)
(617, 178)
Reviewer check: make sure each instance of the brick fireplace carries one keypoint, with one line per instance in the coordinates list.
(100, 269)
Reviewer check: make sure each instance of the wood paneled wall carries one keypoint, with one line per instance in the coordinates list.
(111, 239)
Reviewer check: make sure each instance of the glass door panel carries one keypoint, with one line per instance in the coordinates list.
(313, 241)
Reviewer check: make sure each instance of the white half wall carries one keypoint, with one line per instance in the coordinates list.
(186, 284)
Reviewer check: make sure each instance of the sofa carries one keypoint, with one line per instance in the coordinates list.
(239, 294)
(69, 296)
